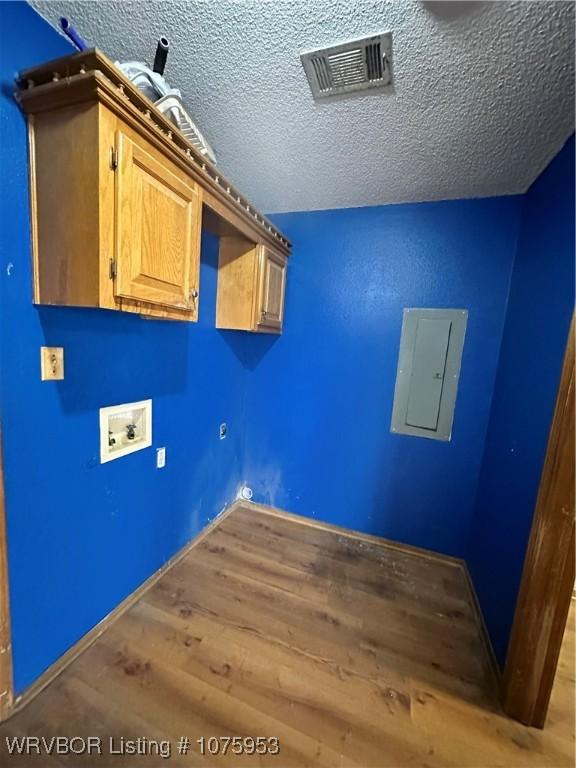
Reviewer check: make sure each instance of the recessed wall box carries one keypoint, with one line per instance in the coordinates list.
(124, 429)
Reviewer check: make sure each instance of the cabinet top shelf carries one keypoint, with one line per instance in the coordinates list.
(91, 76)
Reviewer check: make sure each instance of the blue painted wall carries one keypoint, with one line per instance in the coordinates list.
(319, 401)
(82, 535)
(308, 412)
(537, 322)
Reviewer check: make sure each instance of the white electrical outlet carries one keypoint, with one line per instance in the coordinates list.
(160, 458)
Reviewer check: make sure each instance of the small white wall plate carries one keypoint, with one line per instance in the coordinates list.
(124, 429)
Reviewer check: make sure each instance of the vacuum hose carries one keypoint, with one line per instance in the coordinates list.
(161, 55)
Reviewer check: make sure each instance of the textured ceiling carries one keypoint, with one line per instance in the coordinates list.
(483, 96)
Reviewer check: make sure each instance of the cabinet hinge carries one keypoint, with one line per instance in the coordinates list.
(112, 269)
(113, 158)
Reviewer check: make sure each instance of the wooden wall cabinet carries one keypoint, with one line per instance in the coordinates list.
(157, 226)
(119, 199)
(115, 223)
(251, 286)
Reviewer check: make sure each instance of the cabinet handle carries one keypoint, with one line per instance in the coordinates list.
(193, 294)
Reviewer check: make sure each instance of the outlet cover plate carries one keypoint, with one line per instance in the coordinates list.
(52, 363)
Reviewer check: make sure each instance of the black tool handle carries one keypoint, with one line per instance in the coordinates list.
(161, 55)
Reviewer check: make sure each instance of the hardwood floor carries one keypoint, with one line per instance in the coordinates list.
(350, 652)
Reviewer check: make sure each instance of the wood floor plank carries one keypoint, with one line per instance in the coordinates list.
(247, 564)
(352, 652)
(310, 698)
(319, 630)
(422, 591)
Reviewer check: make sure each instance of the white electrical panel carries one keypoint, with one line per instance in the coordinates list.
(124, 429)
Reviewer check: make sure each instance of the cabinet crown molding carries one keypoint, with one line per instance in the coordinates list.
(90, 77)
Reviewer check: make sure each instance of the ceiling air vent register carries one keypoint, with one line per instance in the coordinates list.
(349, 67)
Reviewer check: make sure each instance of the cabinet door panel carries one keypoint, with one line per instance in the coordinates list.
(157, 229)
(272, 289)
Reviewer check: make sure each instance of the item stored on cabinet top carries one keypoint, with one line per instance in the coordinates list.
(72, 34)
(161, 55)
(168, 100)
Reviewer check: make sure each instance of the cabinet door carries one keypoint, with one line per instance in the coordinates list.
(158, 222)
(272, 284)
